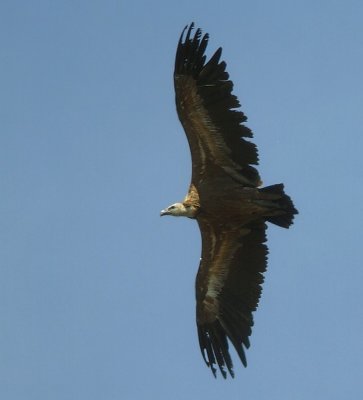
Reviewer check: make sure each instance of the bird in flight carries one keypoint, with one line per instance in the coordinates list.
(226, 200)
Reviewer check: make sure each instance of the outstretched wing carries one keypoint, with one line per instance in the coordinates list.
(228, 288)
(207, 111)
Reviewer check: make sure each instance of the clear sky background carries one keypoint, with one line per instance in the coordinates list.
(96, 291)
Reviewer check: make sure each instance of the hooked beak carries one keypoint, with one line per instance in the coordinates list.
(164, 212)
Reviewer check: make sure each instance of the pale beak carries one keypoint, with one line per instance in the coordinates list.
(164, 212)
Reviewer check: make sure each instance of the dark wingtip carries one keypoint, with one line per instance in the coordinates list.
(191, 27)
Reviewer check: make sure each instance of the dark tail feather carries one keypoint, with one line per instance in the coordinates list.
(285, 216)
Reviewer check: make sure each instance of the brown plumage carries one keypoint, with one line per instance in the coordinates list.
(224, 198)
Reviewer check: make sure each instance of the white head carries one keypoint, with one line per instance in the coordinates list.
(180, 210)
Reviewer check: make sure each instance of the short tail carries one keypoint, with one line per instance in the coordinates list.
(283, 208)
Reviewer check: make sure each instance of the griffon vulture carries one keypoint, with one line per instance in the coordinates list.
(225, 198)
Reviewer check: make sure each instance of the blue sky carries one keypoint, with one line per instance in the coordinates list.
(96, 291)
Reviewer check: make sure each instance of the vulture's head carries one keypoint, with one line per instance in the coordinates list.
(180, 210)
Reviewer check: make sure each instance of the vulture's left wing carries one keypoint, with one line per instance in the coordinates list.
(207, 110)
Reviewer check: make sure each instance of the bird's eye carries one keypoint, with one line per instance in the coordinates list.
(171, 207)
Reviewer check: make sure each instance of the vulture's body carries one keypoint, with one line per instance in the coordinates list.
(225, 199)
